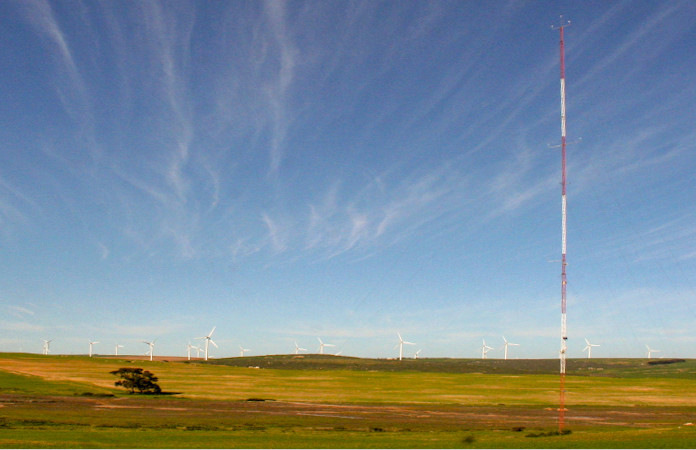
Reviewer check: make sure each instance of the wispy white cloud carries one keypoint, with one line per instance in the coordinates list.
(276, 233)
(21, 326)
(662, 18)
(71, 88)
(277, 89)
(19, 311)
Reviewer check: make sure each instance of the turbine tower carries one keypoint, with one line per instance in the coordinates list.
(508, 344)
(485, 349)
(588, 348)
(417, 353)
(91, 343)
(651, 351)
(208, 341)
(401, 345)
(46, 346)
(116, 349)
(151, 351)
(322, 345)
(242, 350)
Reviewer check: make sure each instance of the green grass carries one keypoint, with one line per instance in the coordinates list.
(63, 401)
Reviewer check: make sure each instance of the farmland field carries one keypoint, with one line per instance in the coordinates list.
(327, 402)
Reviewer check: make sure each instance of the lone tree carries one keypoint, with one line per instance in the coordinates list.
(144, 381)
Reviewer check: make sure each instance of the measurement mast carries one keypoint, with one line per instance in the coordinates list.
(564, 282)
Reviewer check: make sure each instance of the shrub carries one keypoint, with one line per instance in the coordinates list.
(135, 378)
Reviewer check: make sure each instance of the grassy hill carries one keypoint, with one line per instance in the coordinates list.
(315, 401)
(612, 367)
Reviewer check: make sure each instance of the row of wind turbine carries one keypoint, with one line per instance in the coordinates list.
(485, 348)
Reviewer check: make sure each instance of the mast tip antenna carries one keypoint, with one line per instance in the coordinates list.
(562, 24)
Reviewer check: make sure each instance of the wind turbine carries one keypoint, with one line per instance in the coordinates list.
(208, 341)
(298, 349)
(151, 351)
(417, 353)
(242, 350)
(401, 345)
(198, 352)
(46, 346)
(322, 345)
(116, 349)
(188, 350)
(484, 349)
(91, 343)
(588, 347)
(650, 351)
(506, 346)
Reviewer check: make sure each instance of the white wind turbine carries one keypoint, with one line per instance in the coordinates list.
(322, 345)
(198, 352)
(151, 351)
(299, 349)
(417, 353)
(47, 346)
(91, 343)
(588, 348)
(188, 350)
(208, 341)
(650, 351)
(116, 349)
(485, 349)
(242, 350)
(401, 345)
(506, 346)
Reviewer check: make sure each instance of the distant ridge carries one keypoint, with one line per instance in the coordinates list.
(616, 367)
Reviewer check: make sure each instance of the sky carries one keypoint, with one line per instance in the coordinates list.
(346, 170)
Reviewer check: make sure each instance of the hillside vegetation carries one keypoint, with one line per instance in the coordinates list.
(615, 367)
(317, 401)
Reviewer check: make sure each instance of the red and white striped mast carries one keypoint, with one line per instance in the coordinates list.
(564, 282)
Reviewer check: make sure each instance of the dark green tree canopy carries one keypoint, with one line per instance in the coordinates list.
(135, 378)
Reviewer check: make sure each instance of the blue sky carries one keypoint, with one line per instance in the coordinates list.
(346, 170)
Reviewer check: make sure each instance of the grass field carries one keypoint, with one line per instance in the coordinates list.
(315, 401)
